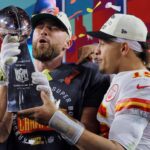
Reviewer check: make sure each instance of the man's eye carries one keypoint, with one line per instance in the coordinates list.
(39, 26)
(53, 28)
(101, 43)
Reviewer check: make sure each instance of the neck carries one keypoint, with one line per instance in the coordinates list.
(50, 65)
(132, 64)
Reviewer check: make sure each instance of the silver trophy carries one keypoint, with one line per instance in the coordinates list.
(22, 93)
(16, 22)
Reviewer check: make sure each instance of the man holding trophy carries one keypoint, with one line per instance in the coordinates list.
(78, 90)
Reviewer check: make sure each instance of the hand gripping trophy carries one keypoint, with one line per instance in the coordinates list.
(16, 63)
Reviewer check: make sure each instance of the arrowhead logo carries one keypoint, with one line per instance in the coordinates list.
(142, 86)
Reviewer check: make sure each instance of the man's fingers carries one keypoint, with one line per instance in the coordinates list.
(10, 60)
(11, 53)
(79, 61)
(26, 112)
(11, 46)
(39, 78)
(44, 97)
(43, 88)
(5, 40)
(10, 39)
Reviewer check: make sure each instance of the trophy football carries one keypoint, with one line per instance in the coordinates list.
(22, 93)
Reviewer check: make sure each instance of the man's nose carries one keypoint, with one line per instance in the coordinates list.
(98, 50)
(44, 31)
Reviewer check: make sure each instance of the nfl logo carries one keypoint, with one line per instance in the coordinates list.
(21, 75)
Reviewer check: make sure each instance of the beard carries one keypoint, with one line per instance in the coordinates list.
(44, 53)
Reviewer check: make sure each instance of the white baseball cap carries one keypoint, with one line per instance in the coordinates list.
(60, 17)
(122, 26)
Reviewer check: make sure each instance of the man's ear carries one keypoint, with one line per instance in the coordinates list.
(125, 49)
(68, 44)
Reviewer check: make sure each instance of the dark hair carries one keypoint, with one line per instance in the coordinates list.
(141, 55)
(144, 55)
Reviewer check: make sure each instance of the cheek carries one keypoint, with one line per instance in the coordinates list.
(107, 58)
(104, 54)
(60, 37)
(34, 39)
(58, 44)
(35, 34)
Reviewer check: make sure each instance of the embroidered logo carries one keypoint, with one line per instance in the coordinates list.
(142, 86)
(112, 92)
(123, 31)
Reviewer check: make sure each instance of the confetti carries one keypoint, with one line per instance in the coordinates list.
(74, 37)
(97, 4)
(90, 10)
(81, 35)
(76, 13)
(72, 1)
(110, 5)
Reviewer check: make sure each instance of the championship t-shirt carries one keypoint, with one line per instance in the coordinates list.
(74, 87)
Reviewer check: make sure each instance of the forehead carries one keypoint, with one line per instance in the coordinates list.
(105, 40)
(109, 44)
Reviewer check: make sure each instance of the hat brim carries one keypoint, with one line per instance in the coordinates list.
(37, 18)
(107, 37)
(100, 35)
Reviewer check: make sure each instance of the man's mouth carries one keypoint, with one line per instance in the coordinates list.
(98, 60)
(42, 41)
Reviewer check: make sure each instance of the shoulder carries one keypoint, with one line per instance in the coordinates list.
(90, 66)
(134, 94)
(85, 68)
(131, 78)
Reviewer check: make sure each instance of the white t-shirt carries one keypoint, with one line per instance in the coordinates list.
(124, 114)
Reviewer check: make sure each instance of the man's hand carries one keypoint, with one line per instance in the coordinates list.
(8, 56)
(47, 114)
(86, 53)
(42, 83)
(41, 114)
